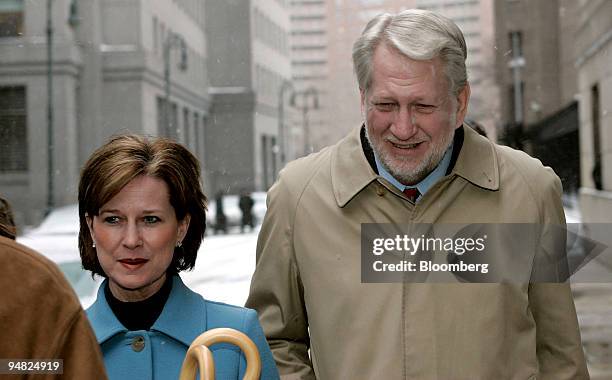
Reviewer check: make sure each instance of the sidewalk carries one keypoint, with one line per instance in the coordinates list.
(594, 308)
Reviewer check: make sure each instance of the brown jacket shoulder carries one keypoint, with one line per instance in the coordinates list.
(41, 317)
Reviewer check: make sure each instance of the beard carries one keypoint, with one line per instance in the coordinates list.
(405, 169)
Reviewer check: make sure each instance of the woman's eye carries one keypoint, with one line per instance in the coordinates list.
(111, 220)
(150, 219)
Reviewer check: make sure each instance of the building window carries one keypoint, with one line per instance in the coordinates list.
(13, 129)
(595, 116)
(11, 18)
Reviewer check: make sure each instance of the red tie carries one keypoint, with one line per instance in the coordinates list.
(412, 193)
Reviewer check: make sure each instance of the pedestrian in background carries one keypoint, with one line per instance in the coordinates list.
(220, 217)
(7, 221)
(246, 203)
(413, 161)
(142, 219)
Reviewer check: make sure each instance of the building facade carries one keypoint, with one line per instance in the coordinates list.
(309, 130)
(593, 60)
(537, 77)
(107, 73)
(249, 48)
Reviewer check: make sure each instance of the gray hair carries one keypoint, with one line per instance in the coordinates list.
(417, 34)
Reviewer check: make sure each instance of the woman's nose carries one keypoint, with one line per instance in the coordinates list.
(132, 237)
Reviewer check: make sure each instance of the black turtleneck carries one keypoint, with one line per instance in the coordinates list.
(139, 315)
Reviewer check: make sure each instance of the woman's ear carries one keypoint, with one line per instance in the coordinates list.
(89, 221)
(183, 227)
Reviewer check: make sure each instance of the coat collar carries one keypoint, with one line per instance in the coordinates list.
(351, 172)
(183, 317)
(477, 161)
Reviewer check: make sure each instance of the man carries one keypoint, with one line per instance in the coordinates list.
(412, 162)
(40, 315)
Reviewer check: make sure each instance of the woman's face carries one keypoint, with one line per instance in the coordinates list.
(135, 234)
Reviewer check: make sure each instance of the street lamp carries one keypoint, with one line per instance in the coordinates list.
(516, 64)
(285, 86)
(306, 95)
(50, 147)
(172, 40)
(73, 21)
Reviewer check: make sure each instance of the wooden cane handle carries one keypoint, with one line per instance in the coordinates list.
(202, 356)
(198, 352)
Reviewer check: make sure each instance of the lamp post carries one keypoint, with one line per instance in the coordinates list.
(172, 40)
(285, 86)
(50, 147)
(516, 64)
(73, 21)
(306, 96)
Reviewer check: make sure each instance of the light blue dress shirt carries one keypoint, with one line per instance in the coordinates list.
(427, 182)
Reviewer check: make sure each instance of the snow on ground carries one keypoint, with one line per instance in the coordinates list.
(224, 267)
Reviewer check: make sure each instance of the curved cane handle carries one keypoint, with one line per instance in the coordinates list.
(199, 352)
(201, 356)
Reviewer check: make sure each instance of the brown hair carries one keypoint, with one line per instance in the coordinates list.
(125, 157)
(7, 223)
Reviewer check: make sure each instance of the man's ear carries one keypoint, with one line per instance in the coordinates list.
(362, 96)
(463, 99)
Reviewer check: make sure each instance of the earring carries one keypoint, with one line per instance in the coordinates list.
(179, 244)
(93, 245)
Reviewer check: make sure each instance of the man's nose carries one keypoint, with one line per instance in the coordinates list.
(132, 236)
(405, 125)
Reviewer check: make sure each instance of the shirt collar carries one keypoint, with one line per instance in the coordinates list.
(351, 172)
(183, 317)
(426, 182)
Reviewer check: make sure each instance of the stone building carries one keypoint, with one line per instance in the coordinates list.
(107, 71)
(248, 46)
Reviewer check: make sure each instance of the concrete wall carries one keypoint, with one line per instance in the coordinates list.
(594, 62)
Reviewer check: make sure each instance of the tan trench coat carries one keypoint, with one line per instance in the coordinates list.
(309, 295)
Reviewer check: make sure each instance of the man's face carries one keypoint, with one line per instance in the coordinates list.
(410, 115)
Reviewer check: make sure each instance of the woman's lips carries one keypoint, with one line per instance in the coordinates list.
(133, 263)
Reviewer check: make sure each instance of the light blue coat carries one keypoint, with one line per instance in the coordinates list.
(157, 354)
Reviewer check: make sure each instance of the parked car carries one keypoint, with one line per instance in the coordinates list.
(57, 239)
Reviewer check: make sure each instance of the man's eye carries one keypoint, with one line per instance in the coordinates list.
(385, 107)
(425, 108)
(111, 220)
(151, 219)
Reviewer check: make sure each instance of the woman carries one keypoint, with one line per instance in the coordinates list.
(142, 219)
